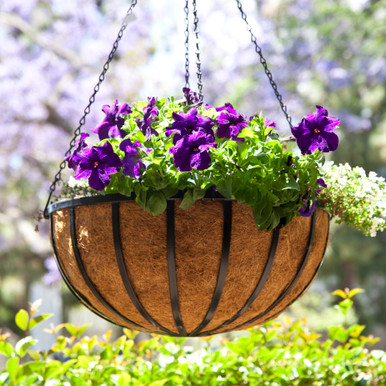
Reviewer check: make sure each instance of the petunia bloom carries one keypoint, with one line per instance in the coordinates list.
(150, 115)
(185, 124)
(132, 163)
(315, 131)
(111, 127)
(310, 204)
(96, 164)
(190, 96)
(192, 151)
(80, 144)
(230, 122)
(269, 123)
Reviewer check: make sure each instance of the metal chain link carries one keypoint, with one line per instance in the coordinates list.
(91, 100)
(187, 74)
(265, 65)
(198, 59)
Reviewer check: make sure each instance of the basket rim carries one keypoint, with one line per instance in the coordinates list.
(117, 197)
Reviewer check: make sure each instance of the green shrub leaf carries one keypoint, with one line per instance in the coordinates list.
(21, 319)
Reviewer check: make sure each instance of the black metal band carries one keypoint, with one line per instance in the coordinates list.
(86, 278)
(116, 197)
(171, 256)
(226, 243)
(294, 280)
(310, 281)
(81, 298)
(123, 271)
(259, 286)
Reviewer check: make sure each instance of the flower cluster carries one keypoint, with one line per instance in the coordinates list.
(154, 149)
(354, 197)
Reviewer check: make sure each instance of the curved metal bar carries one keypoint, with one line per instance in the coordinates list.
(116, 197)
(170, 247)
(260, 284)
(294, 280)
(87, 279)
(80, 297)
(226, 243)
(308, 284)
(123, 271)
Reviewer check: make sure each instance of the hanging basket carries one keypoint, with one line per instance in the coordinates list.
(194, 272)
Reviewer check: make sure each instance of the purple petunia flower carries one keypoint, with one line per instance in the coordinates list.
(309, 209)
(315, 131)
(185, 124)
(132, 164)
(230, 122)
(190, 96)
(80, 145)
(96, 164)
(150, 115)
(111, 125)
(310, 204)
(191, 151)
(269, 123)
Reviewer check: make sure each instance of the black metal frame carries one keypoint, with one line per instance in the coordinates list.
(115, 200)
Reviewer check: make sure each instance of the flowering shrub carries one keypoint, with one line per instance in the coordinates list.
(156, 148)
(283, 352)
(354, 197)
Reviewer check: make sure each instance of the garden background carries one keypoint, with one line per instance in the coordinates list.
(320, 52)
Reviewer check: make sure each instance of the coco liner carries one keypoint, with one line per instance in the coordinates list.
(193, 272)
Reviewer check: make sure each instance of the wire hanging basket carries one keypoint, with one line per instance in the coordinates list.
(194, 272)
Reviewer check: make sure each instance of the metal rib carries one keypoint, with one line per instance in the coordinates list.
(123, 271)
(260, 284)
(79, 296)
(172, 268)
(294, 280)
(308, 284)
(226, 242)
(86, 277)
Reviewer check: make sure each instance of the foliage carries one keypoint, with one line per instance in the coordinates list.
(278, 353)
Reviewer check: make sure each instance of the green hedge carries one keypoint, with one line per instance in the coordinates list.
(278, 353)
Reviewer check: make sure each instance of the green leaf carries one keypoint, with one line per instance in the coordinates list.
(187, 200)
(355, 291)
(291, 184)
(157, 203)
(338, 333)
(6, 348)
(340, 293)
(12, 367)
(198, 194)
(53, 368)
(124, 379)
(23, 345)
(76, 331)
(21, 319)
(160, 382)
(38, 319)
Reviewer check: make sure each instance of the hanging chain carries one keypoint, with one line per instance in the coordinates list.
(198, 59)
(265, 65)
(187, 75)
(91, 100)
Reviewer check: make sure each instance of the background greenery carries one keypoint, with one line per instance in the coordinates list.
(284, 352)
(320, 52)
